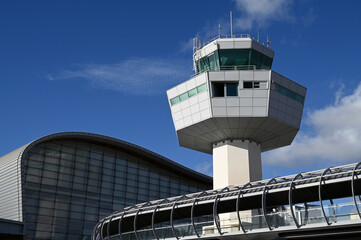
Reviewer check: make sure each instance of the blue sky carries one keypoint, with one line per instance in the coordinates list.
(104, 67)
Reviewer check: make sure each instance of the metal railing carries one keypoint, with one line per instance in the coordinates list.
(226, 68)
(294, 214)
(250, 222)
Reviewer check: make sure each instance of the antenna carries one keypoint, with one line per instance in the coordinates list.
(257, 35)
(231, 24)
(268, 42)
(219, 30)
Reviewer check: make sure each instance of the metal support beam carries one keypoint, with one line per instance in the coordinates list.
(192, 211)
(264, 203)
(237, 206)
(153, 217)
(135, 224)
(120, 226)
(353, 188)
(292, 187)
(101, 230)
(320, 194)
(108, 226)
(215, 210)
(172, 214)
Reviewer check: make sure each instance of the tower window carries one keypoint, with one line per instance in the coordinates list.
(225, 89)
(247, 84)
(218, 89)
(232, 89)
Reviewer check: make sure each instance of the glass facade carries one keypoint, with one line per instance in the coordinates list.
(288, 93)
(69, 185)
(234, 59)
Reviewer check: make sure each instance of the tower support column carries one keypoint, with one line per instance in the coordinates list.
(236, 162)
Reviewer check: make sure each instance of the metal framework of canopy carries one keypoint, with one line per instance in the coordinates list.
(288, 190)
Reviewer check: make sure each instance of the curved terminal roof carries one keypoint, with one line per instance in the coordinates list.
(130, 147)
(11, 167)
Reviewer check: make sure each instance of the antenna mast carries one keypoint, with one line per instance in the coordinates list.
(231, 24)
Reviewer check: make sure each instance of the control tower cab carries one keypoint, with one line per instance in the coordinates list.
(235, 107)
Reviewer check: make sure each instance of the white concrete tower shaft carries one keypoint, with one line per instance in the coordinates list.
(236, 162)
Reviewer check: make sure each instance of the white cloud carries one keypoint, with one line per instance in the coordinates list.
(261, 13)
(334, 136)
(205, 168)
(138, 76)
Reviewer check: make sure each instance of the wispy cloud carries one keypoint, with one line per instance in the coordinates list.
(205, 168)
(261, 13)
(334, 136)
(140, 76)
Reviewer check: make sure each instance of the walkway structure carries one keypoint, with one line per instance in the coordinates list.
(312, 205)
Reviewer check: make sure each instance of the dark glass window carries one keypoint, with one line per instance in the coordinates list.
(247, 84)
(232, 89)
(218, 89)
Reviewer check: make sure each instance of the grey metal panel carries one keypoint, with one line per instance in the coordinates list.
(10, 185)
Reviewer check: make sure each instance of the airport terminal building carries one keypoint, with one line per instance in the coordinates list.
(59, 186)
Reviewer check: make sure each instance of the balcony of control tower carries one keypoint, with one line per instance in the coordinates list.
(235, 95)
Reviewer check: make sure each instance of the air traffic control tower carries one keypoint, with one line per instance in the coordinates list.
(235, 107)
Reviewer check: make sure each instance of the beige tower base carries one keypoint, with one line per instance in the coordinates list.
(236, 162)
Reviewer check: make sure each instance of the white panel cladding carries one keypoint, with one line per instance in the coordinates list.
(175, 108)
(188, 121)
(261, 75)
(210, 48)
(245, 111)
(246, 93)
(259, 93)
(260, 102)
(196, 117)
(177, 116)
(205, 114)
(246, 102)
(231, 75)
(203, 96)
(246, 75)
(232, 111)
(200, 79)
(242, 43)
(225, 43)
(232, 102)
(171, 93)
(216, 76)
(186, 112)
(10, 185)
(194, 109)
(204, 105)
(181, 88)
(190, 84)
(218, 102)
(259, 111)
(219, 111)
